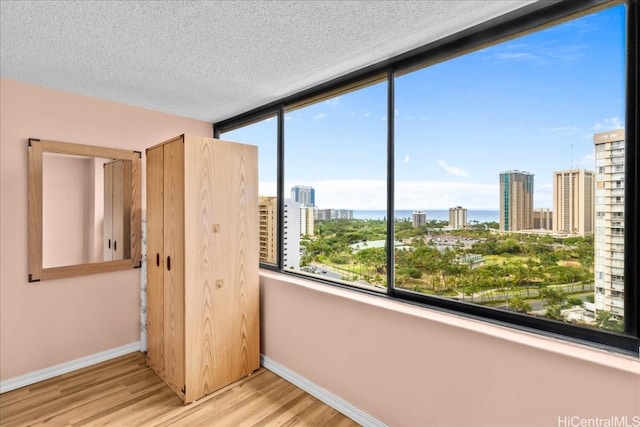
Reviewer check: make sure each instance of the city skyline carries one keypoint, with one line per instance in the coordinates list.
(532, 103)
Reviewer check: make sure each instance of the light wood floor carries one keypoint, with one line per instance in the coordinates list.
(125, 392)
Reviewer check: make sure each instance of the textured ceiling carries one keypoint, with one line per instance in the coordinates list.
(211, 60)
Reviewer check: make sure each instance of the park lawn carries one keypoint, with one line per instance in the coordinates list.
(499, 259)
(569, 262)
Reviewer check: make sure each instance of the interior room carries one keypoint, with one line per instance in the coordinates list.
(121, 77)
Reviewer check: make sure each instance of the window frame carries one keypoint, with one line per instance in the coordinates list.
(528, 19)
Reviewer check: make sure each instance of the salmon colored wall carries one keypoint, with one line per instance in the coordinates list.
(66, 229)
(410, 366)
(47, 323)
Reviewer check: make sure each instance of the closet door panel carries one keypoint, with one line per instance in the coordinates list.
(155, 259)
(123, 181)
(107, 223)
(200, 275)
(174, 344)
(235, 249)
(117, 205)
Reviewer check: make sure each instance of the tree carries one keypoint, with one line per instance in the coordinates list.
(519, 305)
(573, 301)
(554, 312)
(410, 272)
(553, 296)
(606, 320)
(373, 257)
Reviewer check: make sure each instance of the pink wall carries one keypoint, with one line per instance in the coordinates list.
(409, 366)
(404, 365)
(67, 204)
(47, 323)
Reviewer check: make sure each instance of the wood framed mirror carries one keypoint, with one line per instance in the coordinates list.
(84, 209)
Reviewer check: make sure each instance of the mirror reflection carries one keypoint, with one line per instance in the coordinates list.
(86, 209)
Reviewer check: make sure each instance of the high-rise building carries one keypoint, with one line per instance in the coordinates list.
(419, 218)
(573, 202)
(268, 207)
(306, 220)
(543, 219)
(291, 236)
(327, 214)
(457, 217)
(342, 214)
(609, 232)
(516, 200)
(322, 214)
(304, 195)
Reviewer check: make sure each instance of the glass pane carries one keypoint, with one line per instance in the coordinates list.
(264, 134)
(335, 175)
(509, 174)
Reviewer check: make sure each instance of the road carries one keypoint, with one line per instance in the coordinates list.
(323, 270)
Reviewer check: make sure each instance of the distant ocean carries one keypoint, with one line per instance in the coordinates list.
(441, 215)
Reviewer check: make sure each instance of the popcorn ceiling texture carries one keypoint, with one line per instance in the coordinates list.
(210, 60)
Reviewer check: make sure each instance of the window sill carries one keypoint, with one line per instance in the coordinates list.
(535, 341)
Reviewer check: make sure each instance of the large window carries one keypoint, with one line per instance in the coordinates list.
(263, 133)
(335, 181)
(489, 178)
(495, 180)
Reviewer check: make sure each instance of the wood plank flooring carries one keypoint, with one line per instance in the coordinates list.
(125, 392)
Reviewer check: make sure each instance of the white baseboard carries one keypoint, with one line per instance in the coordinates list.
(321, 394)
(63, 368)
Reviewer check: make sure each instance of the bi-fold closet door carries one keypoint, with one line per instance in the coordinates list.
(202, 263)
(165, 263)
(117, 210)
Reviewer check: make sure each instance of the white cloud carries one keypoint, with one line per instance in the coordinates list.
(539, 53)
(319, 116)
(453, 170)
(267, 188)
(564, 129)
(515, 56)
(446, 194)
(371, 194)
(543, 186)
(333, 102)
(407, 158)
(610, 123)
(366, 114)
(543, 195)
(287, 117)
(587, 161)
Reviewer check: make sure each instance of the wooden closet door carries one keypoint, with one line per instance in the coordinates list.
(174, 284)
(155, 259)
(201, 267)
(124, 216)
(234, 250)
(107, 223)
(117, 214)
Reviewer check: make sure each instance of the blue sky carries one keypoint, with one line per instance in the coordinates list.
(532, 103)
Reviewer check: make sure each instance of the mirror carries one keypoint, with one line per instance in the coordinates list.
(84, 209)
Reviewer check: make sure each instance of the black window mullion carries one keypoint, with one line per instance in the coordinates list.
(280, 189)
(390, 183)
(632, 186)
